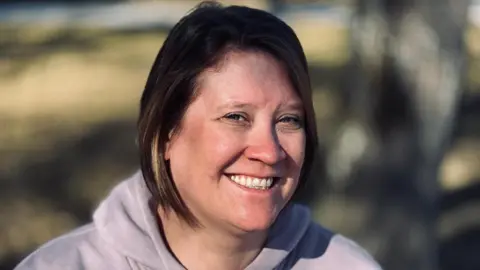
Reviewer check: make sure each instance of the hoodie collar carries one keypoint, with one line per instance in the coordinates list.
(126, 221)
(287, 231)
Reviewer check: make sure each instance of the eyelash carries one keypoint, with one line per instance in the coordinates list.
(231, 116)
(296, 121)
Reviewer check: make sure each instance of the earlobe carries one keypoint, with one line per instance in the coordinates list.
(166, 154)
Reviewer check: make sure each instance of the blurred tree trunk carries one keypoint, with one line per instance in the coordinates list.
(405, 80)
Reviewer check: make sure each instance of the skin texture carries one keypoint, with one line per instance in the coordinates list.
(246, 120)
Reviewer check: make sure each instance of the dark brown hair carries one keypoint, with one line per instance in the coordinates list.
(197, 42)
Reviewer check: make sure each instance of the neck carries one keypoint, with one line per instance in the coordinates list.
(210, 247)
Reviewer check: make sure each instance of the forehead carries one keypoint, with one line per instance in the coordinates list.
(253, 77)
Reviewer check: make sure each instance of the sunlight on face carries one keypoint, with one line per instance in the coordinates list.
(244, 131)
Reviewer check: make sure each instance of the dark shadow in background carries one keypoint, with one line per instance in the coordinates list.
(461, 251)
(49, 179)
(112, 144)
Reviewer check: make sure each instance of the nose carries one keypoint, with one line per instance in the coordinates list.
(265, 147)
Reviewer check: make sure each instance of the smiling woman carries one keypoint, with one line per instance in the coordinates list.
(226, 135)
(244, 126)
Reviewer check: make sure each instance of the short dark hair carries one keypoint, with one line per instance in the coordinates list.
(197, 42)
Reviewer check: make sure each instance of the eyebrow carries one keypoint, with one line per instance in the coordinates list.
(236, 105)
(296, 106)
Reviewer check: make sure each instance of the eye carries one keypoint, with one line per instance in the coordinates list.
(291, 122)
(236, 118)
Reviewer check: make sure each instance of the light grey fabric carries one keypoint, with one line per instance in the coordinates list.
(124, 235)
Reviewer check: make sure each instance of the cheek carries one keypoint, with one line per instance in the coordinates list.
(184, 152)
(207, 150)
(223, 148)
(294, 145)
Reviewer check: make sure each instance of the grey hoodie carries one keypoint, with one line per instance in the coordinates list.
(124, 235)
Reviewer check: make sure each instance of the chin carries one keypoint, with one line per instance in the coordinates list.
(256, 222)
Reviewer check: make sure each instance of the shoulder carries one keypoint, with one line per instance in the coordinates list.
(79, 249)
(342, 248)
(322, 249)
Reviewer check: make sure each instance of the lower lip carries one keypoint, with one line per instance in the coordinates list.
(254, 190)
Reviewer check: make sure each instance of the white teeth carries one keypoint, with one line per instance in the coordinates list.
(263, 183)
(249, 181)
(252, 182)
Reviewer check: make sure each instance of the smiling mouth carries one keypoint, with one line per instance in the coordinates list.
(253, 182)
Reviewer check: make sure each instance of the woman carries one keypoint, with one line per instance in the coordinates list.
(226, 135)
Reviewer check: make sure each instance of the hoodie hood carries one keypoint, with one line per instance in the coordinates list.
(126, 222)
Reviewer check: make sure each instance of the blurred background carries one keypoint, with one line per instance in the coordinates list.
(396, 94)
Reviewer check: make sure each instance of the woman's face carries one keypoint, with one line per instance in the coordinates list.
(237, 157)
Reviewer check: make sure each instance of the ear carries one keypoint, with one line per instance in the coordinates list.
(168, 146)
(166, 155)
